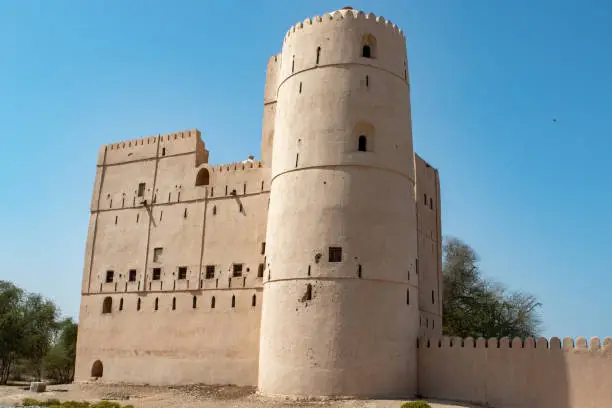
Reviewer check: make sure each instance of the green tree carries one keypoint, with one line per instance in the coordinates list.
(59, 361)
(476, 307)
(27, 325)
(11, 327)
(40, 323)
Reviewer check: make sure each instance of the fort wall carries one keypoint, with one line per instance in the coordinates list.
(505, 373)
(177, 263)
(269, 114)
(209, 343)
(169, 225)
(429, 231)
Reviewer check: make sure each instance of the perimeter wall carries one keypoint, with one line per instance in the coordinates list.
(530, 374)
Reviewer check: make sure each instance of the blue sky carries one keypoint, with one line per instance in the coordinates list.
(529, 194)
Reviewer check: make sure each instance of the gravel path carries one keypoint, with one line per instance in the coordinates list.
(188, 396)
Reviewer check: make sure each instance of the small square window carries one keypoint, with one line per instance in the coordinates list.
(182, 272)
(141, 189)
(237, 270)
(132, 275)
(110, 275)
(335, 254)
(157, 253)
(210, 271)
(156, 273)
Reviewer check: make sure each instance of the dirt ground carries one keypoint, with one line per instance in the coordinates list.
(188, 396)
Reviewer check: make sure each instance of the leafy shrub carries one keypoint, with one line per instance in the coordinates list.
(416, 404)
(51, 401)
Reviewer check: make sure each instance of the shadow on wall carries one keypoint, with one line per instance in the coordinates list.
(504, 373)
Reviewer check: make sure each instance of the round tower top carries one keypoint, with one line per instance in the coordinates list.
(349, 13)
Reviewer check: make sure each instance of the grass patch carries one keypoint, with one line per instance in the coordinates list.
(55, 403)
(416, 404)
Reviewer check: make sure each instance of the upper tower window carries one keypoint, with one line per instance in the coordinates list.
(363, 143)
(368, 46)
(203, 177)
(367, 51)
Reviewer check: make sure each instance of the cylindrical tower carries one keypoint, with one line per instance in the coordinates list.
(340, 310)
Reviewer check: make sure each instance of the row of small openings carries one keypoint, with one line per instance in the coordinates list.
(308, 294)
(362, 146)
(107, 303)
(161, 216)
(430, 201)
(240, 208)
(367, 84)
(368, 50)
(110, 276)
(203, 179)
(433, 322)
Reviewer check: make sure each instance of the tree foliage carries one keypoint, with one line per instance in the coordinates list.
(476, 307)
(31, 334)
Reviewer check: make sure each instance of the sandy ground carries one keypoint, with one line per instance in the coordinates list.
(189, 396)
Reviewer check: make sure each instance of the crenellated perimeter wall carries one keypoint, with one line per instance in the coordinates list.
(512, 373)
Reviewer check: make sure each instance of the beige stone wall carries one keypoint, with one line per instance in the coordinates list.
(210, 345)
(504, 373)
(355, 334)
(219, 224)
(429, 232)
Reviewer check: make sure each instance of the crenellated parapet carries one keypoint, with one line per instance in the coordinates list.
(237, 166)
(555, 343)
(168, 144)
(346, 14)
(344, 37)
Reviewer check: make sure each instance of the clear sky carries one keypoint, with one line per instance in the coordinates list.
(488, 77)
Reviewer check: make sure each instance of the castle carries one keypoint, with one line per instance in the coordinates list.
(312, 272)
